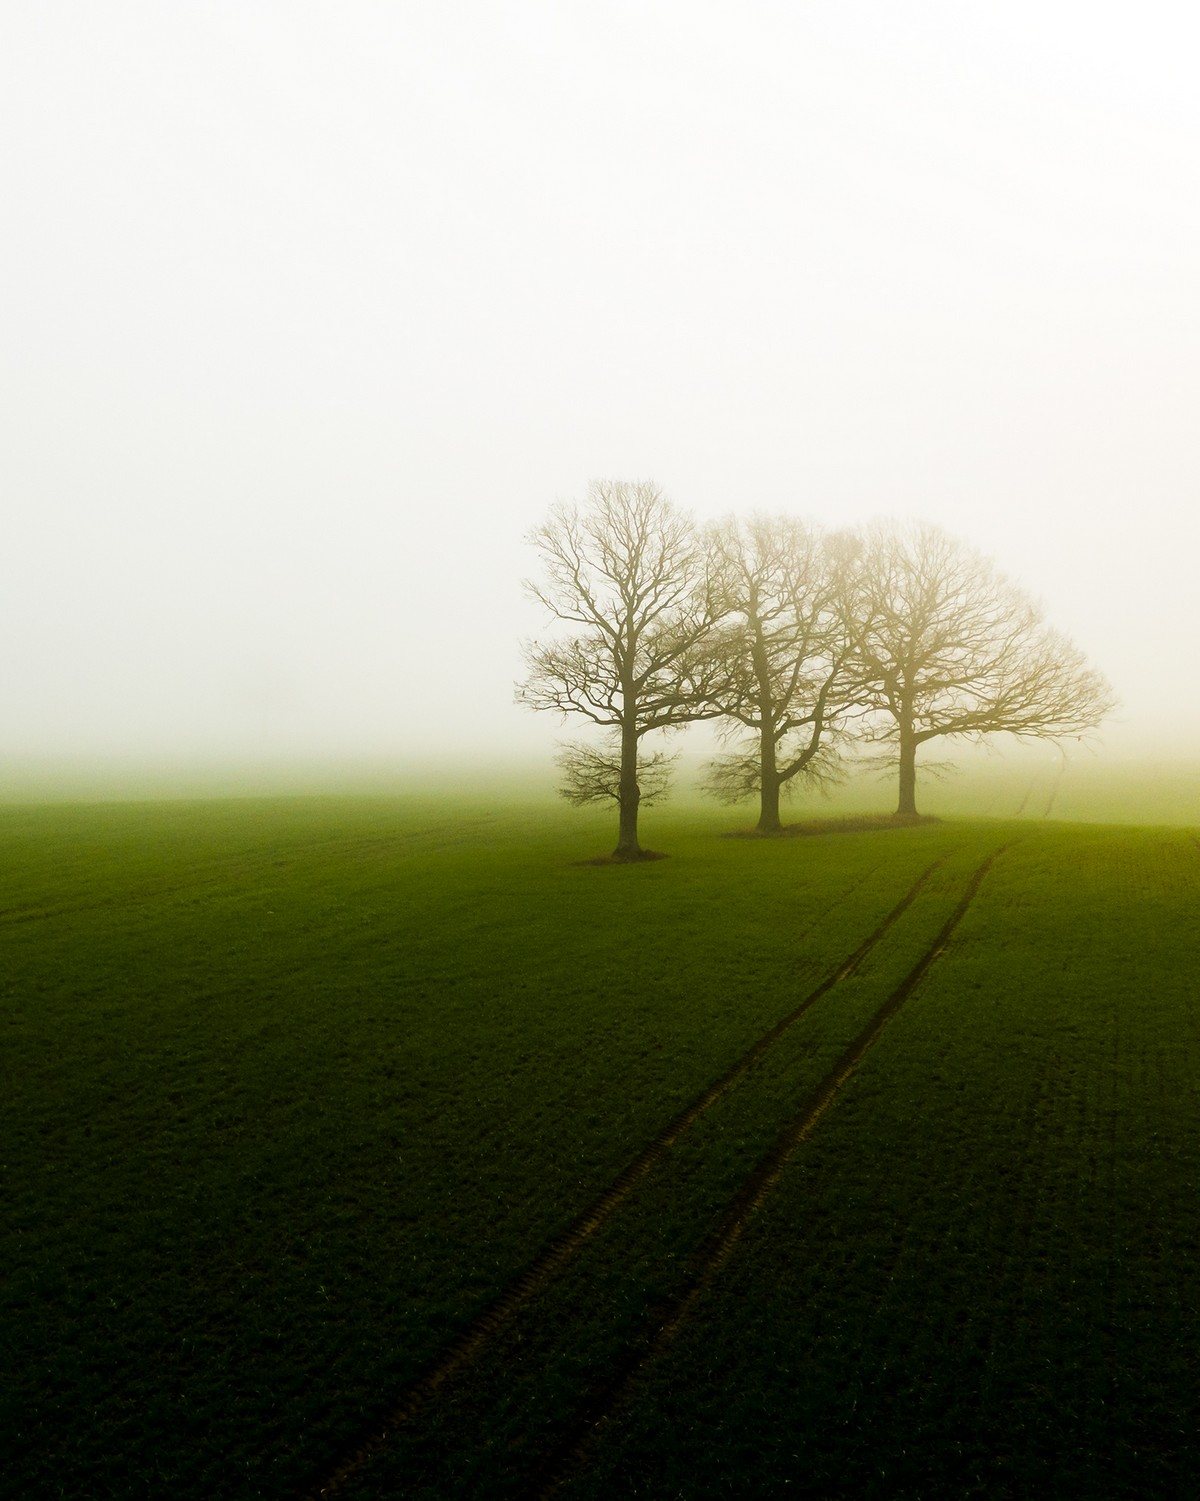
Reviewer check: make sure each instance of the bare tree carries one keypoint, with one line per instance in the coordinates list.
(786, 646)
(627, 573)
(951, 647)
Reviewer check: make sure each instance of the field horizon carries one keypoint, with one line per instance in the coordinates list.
(1026, 781)
(374, 1145)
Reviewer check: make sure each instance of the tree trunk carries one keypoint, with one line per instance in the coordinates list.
(628, 797)
(908, 771)
(769, 785)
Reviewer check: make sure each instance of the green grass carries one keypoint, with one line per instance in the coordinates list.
(979, 1278)
(295, 1088)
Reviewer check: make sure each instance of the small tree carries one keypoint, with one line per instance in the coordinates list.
(593, 775)
(627, 573)
(786, 649)
(951, 647)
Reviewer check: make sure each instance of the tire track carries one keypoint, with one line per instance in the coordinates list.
(669, 1318)
(1050, 801)
(555, 1255)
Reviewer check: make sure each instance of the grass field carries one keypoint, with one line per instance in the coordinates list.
(375, 1147)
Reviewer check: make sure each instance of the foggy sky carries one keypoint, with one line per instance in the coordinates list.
(312, 311)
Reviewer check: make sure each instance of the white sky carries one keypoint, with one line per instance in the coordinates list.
(310, 311)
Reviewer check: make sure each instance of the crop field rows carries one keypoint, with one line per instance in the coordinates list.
(556, 1255)
(865, 1163)
(554, 1332)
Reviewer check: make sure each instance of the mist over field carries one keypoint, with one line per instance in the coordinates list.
(310, 315)
(786, 401)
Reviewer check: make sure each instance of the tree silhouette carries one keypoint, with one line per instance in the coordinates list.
(951, 647)
(627, 574)
(790, 673)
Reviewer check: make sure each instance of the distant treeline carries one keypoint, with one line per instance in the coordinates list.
(800, 643)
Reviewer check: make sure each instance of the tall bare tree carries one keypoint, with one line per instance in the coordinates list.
(951, 647)
(791, 675)
(627, 573)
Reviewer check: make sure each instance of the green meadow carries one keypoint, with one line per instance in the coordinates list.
(378, 1146)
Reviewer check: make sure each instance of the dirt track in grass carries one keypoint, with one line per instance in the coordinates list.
(668, 1320)
(464, 1350)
